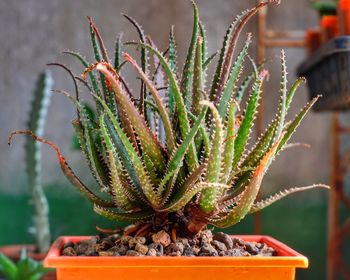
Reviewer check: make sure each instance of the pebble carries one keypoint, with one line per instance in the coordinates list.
(159, 244)
(162, 238)
(152, 252)
(125, 239)
(158, 247)
(208, 250)
(176, 247)
(219, 245)
(142, 249)
(122, 250)
(86, 247)
(224, 238)
(105, 253)
(69, 251)
(132, 253)
(136, 240)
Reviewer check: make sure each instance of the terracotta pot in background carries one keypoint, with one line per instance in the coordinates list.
(282, 266)
(313, 40)
(329, 28)
(344, 17)
(14, 252)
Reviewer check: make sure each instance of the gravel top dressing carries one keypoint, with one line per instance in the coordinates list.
(162, 244)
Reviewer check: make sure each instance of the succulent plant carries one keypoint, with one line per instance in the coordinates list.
(181, 149)
(25, 269)
(36, 122)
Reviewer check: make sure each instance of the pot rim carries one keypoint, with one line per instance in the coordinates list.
(286, 257)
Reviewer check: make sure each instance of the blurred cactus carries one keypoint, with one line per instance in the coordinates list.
(182, 147)
(36, 123)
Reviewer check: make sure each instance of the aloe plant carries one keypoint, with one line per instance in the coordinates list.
(183, 146)
(25, 269)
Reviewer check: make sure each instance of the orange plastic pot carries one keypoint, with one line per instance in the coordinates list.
(280, 267)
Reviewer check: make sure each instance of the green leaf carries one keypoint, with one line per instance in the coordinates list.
(7, 267)
(124, 217)
(198, 85)
(248, 196)
(100, 55)
(229, 150)
(209, 196)
(159, 103)
(116, 185)
(181, 199)
(239, 24)
(173, 68)
(207, 62)
(149, 142)
(137, 162)
(233, 78)
(282, 110)
(203, 34)
(258, 206)
(126, 161)
(68, 172)
(176, 160)
(247, 123)
(118, 51)
(191, 158)
(144, 58)
(296, 122)
(187, 73)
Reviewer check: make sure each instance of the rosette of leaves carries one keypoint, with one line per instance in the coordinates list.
(183, 146)
(25, 269)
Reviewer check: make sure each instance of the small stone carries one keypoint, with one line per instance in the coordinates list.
(162, 238)
(237, 242)
(208, 250)
(224, 238)
(125, 239)
(184, 241)
(158, 247)
(86, 248)
(235, 253)
(174, 254)
(142, 249)
(68, 244)
(122, 249)
(132, 253)
(194, 241)
(176, 247)
(196, 249)
(104, 245)
(136, 240)
(223, 253)
(69, 251)
(152, 252)
(219, 245)
(206, 233)
(188, 251)
(105, 253)
(251, 248)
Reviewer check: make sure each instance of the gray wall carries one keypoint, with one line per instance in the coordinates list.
(34, 32)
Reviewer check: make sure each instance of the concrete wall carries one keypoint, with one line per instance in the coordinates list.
(34, 32)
